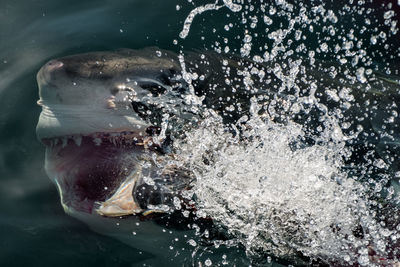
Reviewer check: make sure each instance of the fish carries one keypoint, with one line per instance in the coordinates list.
(102, 110)
(105, 114)
(101, 122)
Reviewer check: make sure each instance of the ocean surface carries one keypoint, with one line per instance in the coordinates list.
(33, 227)
(34, 231)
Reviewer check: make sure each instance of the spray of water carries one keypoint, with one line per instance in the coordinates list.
(275, 196)
(261, 181)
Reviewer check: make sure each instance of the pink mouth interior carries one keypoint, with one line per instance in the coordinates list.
(90, 171)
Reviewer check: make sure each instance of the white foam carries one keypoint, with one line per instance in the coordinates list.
(274, 198)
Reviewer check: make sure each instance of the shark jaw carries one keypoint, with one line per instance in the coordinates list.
(96, 173)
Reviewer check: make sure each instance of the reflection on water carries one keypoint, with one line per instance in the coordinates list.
(34, 228)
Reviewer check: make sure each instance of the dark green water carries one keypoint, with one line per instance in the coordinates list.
(34, 231)
(33, 227)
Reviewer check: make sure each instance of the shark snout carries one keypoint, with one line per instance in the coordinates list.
(53, 65)
(46, 73)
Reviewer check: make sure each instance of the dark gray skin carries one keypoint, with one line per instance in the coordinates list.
(102, 111)
(125, 94)
(96, 130)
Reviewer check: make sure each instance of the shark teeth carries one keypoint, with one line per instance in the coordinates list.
(97, 141)
(126, 138)
(78, 140)
(121, 203)
(64, 141)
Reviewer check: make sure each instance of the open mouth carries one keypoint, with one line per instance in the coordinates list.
(89, 170)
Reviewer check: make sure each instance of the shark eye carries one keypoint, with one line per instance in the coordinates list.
(153, 88)
(153, 130)
(114, 91)
(167, 76)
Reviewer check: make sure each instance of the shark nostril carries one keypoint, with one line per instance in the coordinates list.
(54, 64)
(47, 72)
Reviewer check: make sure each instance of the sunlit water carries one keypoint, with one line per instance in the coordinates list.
(278, 188)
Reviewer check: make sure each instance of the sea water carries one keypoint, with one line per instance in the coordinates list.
(276, 196)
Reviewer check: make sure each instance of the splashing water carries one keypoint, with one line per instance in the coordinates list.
(267, 187)
(275, 197)
(198, 10)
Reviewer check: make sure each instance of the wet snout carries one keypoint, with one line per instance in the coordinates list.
(53, 65)
(46, 73)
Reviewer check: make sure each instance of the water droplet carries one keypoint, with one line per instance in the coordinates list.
(192, 242)
(388, 14)
(373, 40)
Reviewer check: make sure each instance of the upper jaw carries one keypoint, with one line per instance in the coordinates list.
(59, 121)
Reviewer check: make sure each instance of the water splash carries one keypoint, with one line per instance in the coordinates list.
(198, 10)
(277, 197)
(264, 184)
